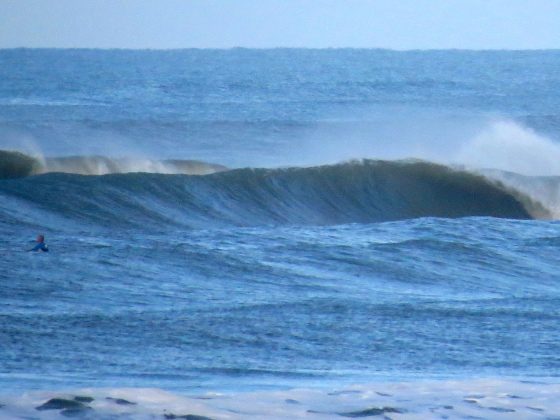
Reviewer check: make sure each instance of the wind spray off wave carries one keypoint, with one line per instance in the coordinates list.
(16, 165)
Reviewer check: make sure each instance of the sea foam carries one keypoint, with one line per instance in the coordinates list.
(423, 399)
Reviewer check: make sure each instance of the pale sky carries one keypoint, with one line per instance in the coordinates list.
(395, 24)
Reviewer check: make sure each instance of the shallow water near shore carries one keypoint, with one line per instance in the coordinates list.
(481, 398)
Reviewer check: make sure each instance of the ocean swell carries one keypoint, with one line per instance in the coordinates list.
(354, 192)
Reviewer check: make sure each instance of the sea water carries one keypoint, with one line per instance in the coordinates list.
(280, 233)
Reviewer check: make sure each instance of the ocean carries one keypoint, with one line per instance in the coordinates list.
(283, 233)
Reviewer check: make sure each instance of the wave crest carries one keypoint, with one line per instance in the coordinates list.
(354, 192)
(17, 165)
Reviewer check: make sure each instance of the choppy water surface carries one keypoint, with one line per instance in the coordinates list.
(208, 233)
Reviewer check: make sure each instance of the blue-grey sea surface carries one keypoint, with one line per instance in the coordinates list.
(344, 222)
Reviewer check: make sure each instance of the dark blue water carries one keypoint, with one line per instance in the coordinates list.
(291, 275)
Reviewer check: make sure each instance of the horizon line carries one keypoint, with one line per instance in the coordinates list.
(285, 48)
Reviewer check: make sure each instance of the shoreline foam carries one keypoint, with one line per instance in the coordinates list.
(477, 398)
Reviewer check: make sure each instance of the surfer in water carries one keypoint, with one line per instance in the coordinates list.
(41, 245)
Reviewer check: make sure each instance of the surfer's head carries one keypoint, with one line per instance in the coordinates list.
(40, 238)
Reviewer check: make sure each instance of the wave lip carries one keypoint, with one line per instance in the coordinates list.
(17, 165)
(353, 192)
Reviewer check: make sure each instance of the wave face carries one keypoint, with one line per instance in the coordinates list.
(17, 165)
(354, 192)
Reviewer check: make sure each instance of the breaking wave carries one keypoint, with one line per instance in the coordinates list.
(17, 165)
(353, 192)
